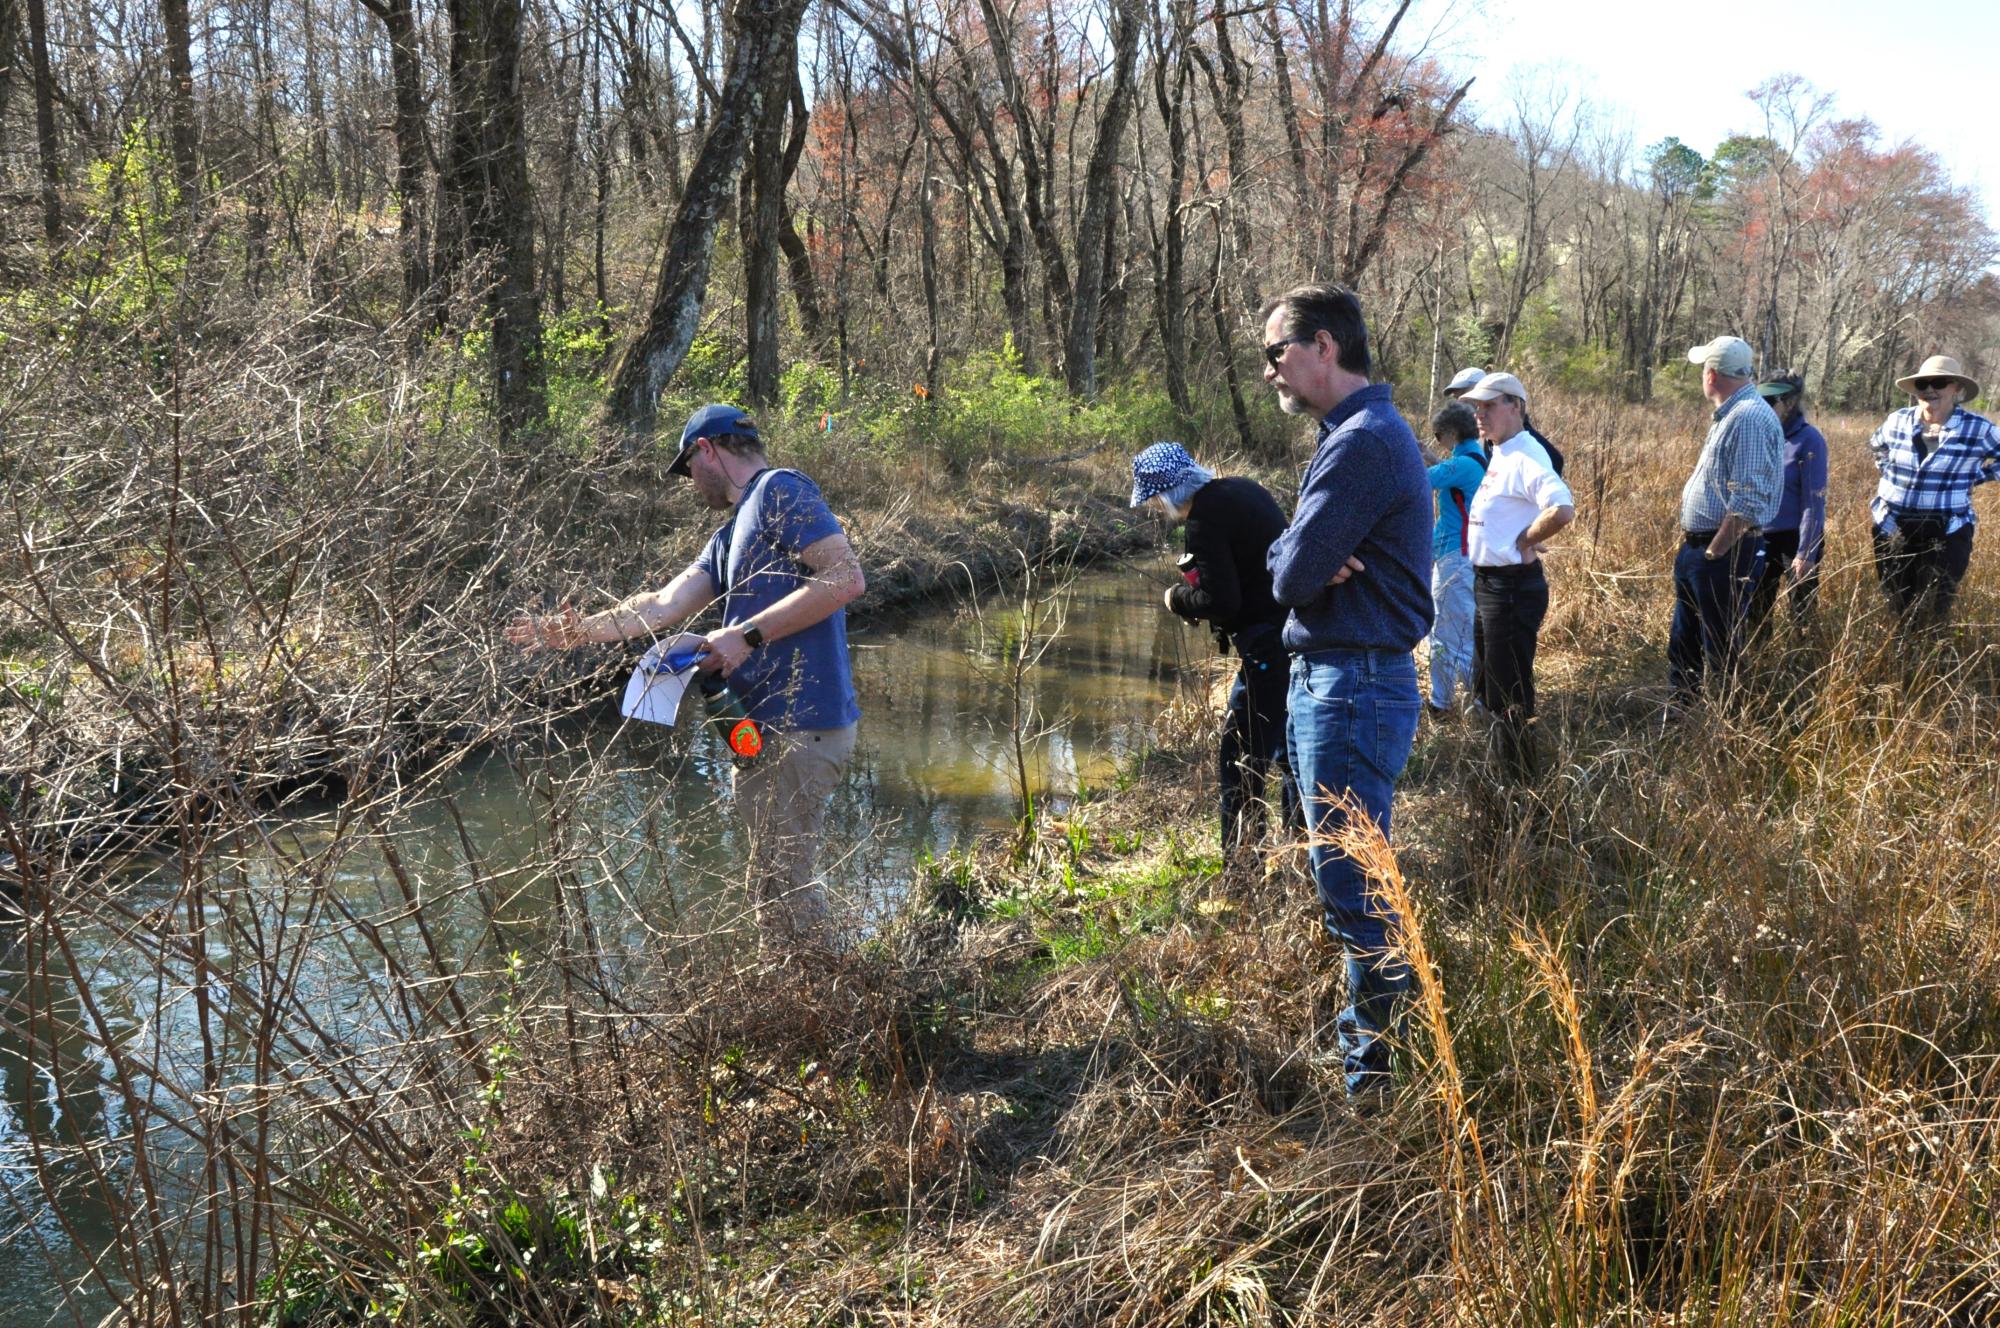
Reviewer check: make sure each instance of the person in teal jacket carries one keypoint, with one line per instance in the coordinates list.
(1456, 431)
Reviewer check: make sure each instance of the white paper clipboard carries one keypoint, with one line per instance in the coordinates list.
(654, 691)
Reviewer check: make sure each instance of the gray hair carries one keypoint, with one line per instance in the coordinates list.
(1455, 418)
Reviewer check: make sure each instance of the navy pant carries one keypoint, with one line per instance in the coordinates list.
(1711, 600)
(1920, 567)
(1353, 717)
(1780, 548)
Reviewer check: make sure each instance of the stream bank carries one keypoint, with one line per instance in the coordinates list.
(301, 695)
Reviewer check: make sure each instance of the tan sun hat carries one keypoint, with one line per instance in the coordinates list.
(1940, 366)
(1494, 386)
(1729, 356)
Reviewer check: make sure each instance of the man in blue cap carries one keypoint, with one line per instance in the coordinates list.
(783, 573)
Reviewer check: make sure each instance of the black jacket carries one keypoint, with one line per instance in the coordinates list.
(1231, 523)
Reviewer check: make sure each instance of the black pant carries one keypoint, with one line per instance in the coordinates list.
(1780, 548)
(1920, 567)
(1253, 745)
(1510, 603)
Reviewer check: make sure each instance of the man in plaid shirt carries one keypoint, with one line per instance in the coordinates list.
(1930, 455)
(1735, 489)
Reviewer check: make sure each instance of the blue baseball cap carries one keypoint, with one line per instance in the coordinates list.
(1159, 468)
(710, 422)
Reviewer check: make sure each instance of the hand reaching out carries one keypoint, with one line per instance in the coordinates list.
(560, 630)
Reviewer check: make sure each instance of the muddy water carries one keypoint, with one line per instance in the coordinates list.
(640, 816)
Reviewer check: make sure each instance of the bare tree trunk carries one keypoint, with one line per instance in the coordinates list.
(1033, 137)
(1225, 347)
(180, 104)
(764, 28)
(412, 152)
(1288, 108)
(1170, 79)
(10, 43)
(1079, 351)
(600, 151)
(921, 105)
(45, 124)
(488, 173)
(798, 259)
(1229, 94)
(766, 180)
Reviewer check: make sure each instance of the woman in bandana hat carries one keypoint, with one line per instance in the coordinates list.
(1228, 525)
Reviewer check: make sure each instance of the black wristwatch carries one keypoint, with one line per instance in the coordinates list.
(753, 635)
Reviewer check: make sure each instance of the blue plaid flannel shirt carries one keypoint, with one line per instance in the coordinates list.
(1941, 484)
(1741, 468)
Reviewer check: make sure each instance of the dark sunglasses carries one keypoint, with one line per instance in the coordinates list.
(1934, 384)
(1276, 350)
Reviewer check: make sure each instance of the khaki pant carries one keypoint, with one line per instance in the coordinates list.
(783, 796)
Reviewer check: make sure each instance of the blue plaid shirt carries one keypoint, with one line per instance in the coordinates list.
(1742, 465)
(1967, 453)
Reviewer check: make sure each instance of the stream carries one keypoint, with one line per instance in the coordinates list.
(642, 812)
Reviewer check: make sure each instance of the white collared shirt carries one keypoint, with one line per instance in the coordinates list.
(1519, 486)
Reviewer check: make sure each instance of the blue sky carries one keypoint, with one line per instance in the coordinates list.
(1931, 73)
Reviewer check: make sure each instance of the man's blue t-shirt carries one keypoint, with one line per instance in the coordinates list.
(801, 681)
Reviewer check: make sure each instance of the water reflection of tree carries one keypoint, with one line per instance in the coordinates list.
(1011, 648)
(52, 1089)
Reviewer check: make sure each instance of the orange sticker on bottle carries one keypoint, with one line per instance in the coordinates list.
(746, 739)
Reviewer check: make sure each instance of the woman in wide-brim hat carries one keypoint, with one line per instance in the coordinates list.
(1931, 456)
(1940, 369)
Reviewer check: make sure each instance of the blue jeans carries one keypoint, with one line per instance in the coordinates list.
(1451, 628)
(1352, 717)
(1711, 600)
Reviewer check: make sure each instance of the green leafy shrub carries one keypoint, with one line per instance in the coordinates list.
(125, 262)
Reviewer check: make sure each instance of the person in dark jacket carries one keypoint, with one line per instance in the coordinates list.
(1796, 536)
(1228, 525)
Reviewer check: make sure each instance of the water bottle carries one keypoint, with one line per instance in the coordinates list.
(675, 661)
(1189, 573)
(742, 735)
(739, 733)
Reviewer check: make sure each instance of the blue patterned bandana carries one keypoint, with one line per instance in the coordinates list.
(1166, 468)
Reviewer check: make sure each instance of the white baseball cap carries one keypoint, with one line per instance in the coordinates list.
(1463, 379)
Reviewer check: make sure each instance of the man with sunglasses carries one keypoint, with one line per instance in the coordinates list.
(1353, 703)
(1931, 455)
